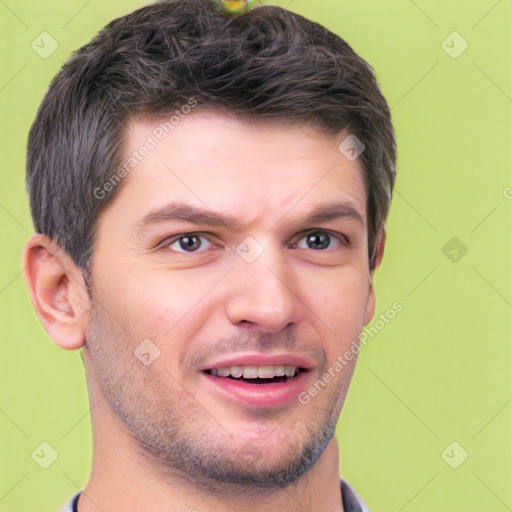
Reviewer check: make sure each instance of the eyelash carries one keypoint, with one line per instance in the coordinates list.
(165, 244)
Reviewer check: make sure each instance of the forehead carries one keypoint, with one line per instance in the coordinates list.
(228, 138)
(224, 163)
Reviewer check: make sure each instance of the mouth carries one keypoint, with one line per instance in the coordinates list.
(259, 379)
(260, 375)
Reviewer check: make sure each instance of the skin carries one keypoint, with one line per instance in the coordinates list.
(163, 439)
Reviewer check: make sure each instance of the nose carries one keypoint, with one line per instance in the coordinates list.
(265, 292)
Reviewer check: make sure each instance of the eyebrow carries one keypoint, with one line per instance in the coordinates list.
(183, 212)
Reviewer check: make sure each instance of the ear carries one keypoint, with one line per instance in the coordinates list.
(58, 291)
(379, 254)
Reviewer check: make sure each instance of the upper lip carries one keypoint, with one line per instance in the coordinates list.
(260, 359)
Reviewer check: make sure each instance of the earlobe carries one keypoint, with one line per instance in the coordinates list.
(57, 291)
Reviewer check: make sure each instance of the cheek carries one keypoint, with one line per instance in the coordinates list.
(146, 294)
(340, 308)
(162, 306)
(343, 295)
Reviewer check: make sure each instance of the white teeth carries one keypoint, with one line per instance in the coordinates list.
(289, 371)
(236, 371)
(280, 371)
(253, 372)
(266, 372)
(223, 372)
(250, 372)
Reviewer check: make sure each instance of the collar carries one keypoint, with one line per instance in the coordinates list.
(352, 502)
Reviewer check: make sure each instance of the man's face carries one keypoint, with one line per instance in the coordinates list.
(222, 295)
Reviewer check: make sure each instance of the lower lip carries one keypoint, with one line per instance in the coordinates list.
(275, 394)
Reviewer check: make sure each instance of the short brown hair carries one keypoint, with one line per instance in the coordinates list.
(266, 65)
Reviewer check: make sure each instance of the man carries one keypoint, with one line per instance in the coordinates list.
(210, 193)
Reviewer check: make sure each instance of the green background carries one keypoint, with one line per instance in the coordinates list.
(439, 373)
